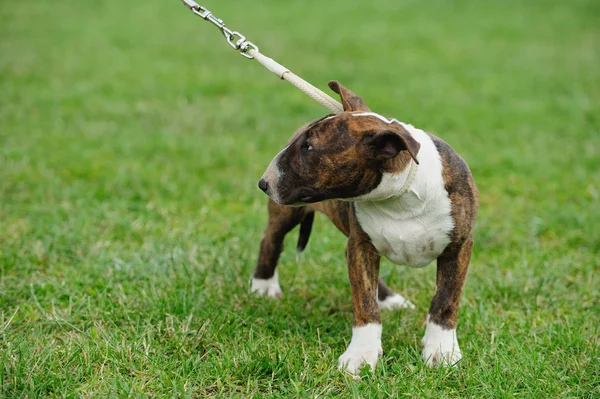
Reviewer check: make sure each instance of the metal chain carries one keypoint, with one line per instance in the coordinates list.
(235, 39)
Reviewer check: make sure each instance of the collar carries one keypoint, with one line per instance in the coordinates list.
(412, 173)
(413, 165)
(380, 117)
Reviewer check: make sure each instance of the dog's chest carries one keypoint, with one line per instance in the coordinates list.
(414, 229)
(407, 238)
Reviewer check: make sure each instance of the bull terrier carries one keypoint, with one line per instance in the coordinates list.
(394, 191)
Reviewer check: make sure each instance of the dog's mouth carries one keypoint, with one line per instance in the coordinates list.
(301, 198)
(303, 201)
(307, 197)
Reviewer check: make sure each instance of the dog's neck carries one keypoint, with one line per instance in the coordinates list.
(394, 184)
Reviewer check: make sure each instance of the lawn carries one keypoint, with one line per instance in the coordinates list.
(131, 141)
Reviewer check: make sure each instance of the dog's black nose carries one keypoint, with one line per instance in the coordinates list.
(263, 185)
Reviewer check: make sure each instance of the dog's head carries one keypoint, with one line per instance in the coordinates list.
(339, 156)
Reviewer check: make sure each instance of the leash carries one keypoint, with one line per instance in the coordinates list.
(249, 50)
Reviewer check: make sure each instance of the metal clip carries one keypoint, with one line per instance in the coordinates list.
(233, 43)
(235, 39)
(191, 4)
(202, 12)
(245, 49)
(217, 21)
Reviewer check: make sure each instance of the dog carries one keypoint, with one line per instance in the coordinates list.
(394, 191)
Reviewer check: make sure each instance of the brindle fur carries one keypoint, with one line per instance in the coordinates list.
(282, 219)
(351, 155)
(453, 263)
(343, 150)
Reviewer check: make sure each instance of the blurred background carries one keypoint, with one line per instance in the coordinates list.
(132, 138)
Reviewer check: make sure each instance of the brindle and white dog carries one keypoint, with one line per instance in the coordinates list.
(393, 190)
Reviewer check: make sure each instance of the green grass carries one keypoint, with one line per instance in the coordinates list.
(131, 141)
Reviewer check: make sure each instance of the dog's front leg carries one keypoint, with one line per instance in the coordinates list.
(363, 270)
(282, 219)
(440, 345)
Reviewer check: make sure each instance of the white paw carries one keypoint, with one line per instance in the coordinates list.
(395, 301)
(440, 346)
(267, 287)
(365, 348)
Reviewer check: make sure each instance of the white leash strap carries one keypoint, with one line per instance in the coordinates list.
(283, 73)
(249, 50)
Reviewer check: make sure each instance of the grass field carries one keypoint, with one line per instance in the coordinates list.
(131, 141)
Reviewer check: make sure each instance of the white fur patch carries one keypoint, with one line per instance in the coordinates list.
(364, 348)
(395, 301)
(267, 287)
(415, 228)
(272, 176)
(440, 346)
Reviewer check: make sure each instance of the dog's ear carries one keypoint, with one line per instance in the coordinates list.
(386, 144)
(350, 101)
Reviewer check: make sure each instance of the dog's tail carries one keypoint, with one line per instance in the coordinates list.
(305, 229)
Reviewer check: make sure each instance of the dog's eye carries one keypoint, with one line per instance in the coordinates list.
(307, 146)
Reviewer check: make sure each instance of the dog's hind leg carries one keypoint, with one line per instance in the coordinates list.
(282, 219)
(388, 299)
